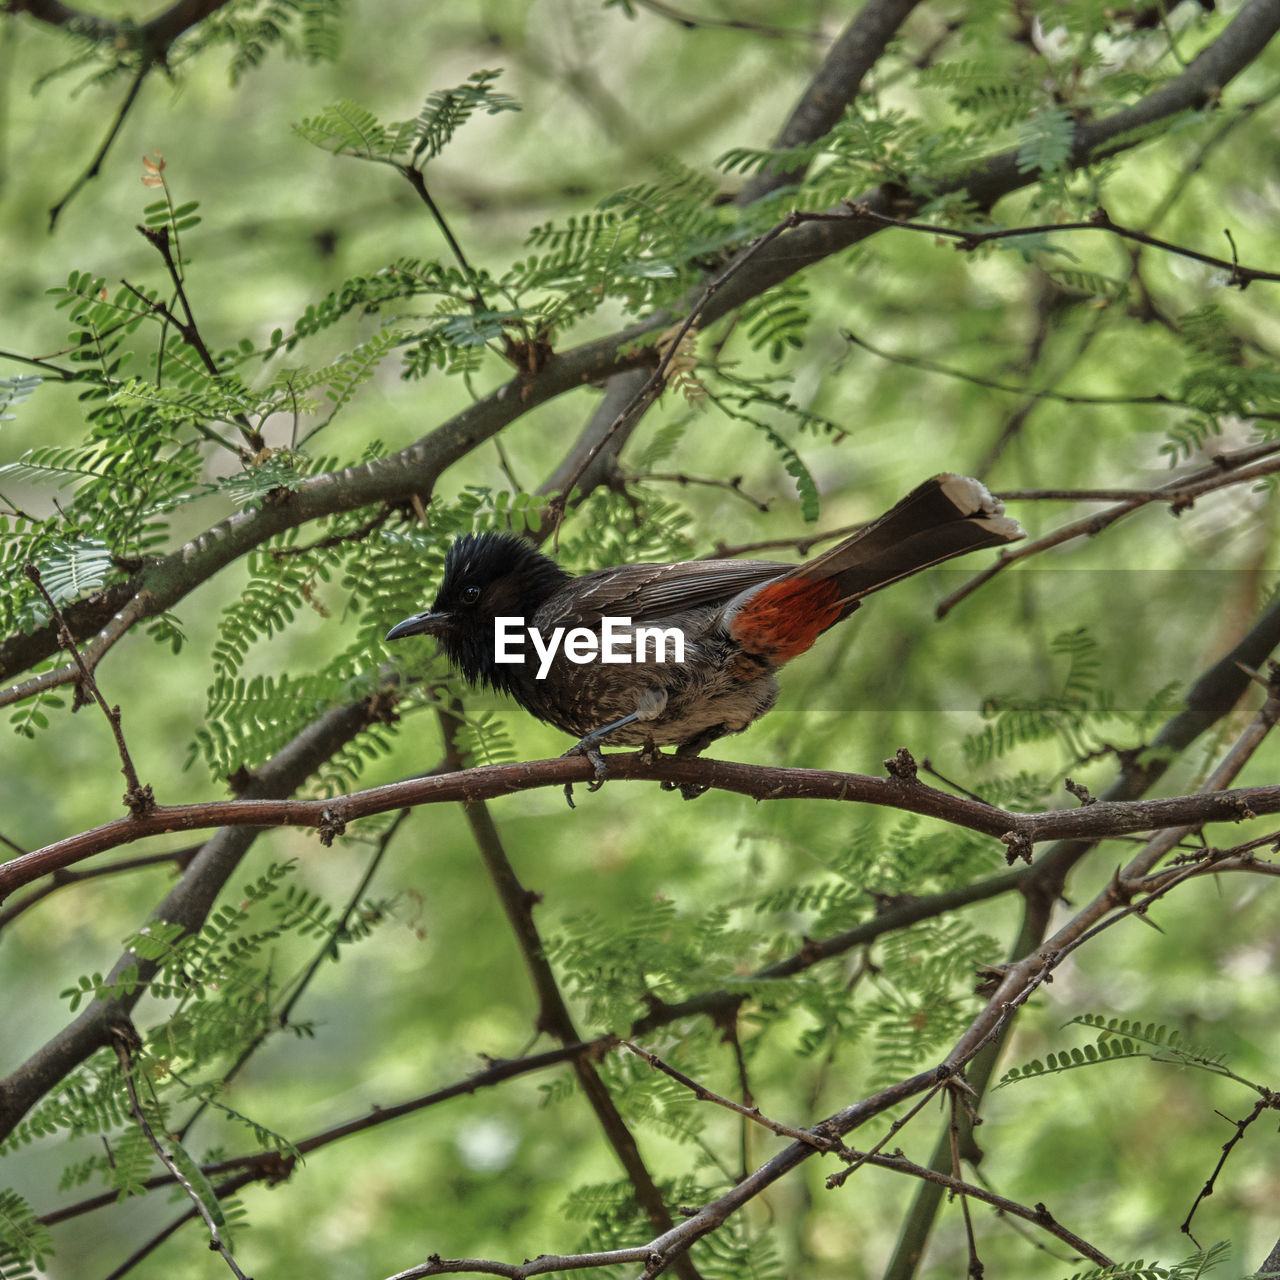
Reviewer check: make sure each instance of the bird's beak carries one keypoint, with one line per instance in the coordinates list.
(421, 624)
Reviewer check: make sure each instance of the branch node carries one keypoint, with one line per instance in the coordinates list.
(1017, 845)
(902, 766)
(332, 823)
(1081, 792)
(141, 800)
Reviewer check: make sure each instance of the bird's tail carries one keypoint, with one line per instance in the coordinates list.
(946, 516)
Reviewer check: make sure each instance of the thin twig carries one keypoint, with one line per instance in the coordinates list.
(733, 485)
(139, 799)
(337, 539)
(1238, 276)
(754, 1114)
(418, 182)
(692, 21)
(123, 1048)
(63, 879)
(953, 1136)
(136, 608)
(95, 165)
(993, 384)
(1180, 494)
(872, 1156)
(158, 238)
(802, 545)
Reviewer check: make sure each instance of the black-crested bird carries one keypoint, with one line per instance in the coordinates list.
(676, 654)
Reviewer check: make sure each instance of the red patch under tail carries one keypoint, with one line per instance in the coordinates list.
(782, 619)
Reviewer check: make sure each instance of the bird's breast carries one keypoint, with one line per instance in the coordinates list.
(684, 676)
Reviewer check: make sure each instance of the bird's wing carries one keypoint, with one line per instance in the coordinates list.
(646, 592)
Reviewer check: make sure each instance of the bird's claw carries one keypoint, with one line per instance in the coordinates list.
(689, 790)
(598, 766)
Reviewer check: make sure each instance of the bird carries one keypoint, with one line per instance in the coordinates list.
(508, 617)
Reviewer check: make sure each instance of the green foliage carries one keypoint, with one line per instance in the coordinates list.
(1123, 1038)
(737, 1254)
(1198, 1264)
(484, 740)
(74, 569)
(13, 391)
(1046, 141)
(248, 30)
(347, 129)
(219, 991)
(611, 529)
(24, 1243)
(1074, 716)
(777, 319)
(177, 425)
(643, 246)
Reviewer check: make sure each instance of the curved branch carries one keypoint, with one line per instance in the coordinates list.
(154, 36)
(838, 83)
(1020, 831)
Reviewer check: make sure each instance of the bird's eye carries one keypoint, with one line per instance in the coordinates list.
(470, 595)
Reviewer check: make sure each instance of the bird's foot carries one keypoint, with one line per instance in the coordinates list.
(688, 750)
(599, 767)
(689, 790)
(649, 753)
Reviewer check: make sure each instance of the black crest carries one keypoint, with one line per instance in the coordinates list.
(486, 576)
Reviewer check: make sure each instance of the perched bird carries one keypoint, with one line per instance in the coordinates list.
(580, 652)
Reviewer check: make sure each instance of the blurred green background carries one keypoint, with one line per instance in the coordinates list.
(610, 97)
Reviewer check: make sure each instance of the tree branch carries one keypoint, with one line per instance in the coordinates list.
(1180, 494)
(838, 82)
(137, 797)
(154, 35)
(1020, 831)
(1239, 276)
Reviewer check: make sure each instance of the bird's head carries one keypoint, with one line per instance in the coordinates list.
(486, 576)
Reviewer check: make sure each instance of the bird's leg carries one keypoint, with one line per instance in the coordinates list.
(589, 745)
